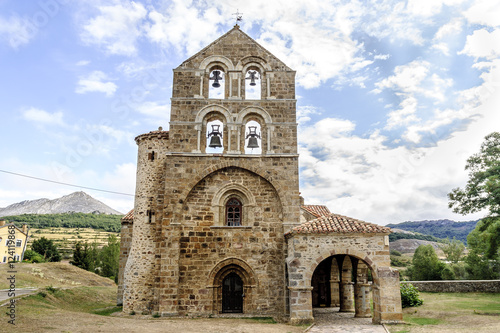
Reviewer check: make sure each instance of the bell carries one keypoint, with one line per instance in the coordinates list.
(252, 78)
(216, 77)
(215, 142)
(215, 136)
(253, 143)
(252, 137)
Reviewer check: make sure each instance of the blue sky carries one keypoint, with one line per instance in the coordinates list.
(392, 96)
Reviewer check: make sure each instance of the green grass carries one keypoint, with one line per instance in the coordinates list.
(263, 320)
(424, 321)
(108, 311)
(452, 311)
(80, 299)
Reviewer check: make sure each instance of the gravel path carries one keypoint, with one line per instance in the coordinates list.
(331, 321)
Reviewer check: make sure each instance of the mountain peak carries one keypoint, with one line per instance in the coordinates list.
(78, 202)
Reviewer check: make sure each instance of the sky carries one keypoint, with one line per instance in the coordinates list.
(392, 96)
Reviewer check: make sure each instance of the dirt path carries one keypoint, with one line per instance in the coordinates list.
(83, 322)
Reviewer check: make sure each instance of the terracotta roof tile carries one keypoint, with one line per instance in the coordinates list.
(129, 217)
(316, 210)
(334, 223)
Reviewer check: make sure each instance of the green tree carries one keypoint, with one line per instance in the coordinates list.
(453, 249)
(482, 192)
(425, 264)
(47, 249)
(478, 265)
(109, 258)
(85, 256)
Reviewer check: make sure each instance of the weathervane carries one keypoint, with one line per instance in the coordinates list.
(239, 16)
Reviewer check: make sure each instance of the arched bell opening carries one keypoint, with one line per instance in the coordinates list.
(342, 283)
(214, 135)
(217, 83)
(253, 138)
(253, 85)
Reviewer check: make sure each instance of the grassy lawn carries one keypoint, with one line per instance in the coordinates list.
(452, 312)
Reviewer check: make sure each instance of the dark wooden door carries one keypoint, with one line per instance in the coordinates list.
(232, 294)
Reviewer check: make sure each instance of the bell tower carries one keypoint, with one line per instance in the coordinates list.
(223, 187)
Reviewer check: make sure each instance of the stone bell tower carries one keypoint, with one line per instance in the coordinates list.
(216, 193)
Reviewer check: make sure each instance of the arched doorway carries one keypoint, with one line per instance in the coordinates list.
(342, 283)
(232, 294)
(233, 282)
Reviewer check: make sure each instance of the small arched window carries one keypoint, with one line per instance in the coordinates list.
(233, 212)
(217, 85)
(252, 85)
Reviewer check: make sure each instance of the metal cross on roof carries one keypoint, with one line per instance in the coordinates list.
(239, 16)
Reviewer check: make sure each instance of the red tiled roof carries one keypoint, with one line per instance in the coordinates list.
(334, 223)
(129, 217)
(316, 210)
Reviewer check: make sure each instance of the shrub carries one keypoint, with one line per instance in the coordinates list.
(32, 256)
(410, 296)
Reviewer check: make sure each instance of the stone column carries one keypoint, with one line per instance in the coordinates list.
(362, 300)
(300, 305)
(334, 284)
(347, 297)
(346, 287)
(387, 297)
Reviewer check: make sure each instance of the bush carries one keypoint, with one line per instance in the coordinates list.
(32, 256)
(410, 296)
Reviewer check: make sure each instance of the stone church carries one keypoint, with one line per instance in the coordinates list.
(218, 225)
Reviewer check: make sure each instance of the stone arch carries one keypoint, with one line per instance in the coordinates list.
(223, 269)
(350, 252)
(214, 60)
(201, 120)
(241, 164)
(266, 117)
(249, 61)
(201, 115)
(224, 193)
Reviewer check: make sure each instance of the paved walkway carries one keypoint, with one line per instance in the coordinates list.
(329, 320)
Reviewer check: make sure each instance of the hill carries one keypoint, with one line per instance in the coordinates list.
(78, 202)
(109, 223)
(439, 228)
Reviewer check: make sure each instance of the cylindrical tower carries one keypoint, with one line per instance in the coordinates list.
(140, 292)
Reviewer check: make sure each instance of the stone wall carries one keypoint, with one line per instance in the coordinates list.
(458, 286)
(125, 243)
(306, 251)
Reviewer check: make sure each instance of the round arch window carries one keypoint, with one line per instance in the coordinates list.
(234, 210)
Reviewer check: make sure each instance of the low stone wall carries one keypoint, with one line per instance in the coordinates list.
(458, 286)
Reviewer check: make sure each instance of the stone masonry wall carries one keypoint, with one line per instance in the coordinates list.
(306, 251)
(194, 241)
(458, 286)
(140, 292)
(125, 243)
(205, 242)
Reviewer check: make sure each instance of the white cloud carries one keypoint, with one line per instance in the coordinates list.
(16, 31)
(94, 82)
(483, 44)
(485, 12)
(43, 117)
(83, 63)
(183, 26)
(117, 28)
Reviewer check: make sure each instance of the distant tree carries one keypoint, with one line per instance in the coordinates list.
(32, 256)
(85, 256)
(478, 265)
(47, 249)
(425, 264)
(482, 192)
(109, 258)
(453, 249)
